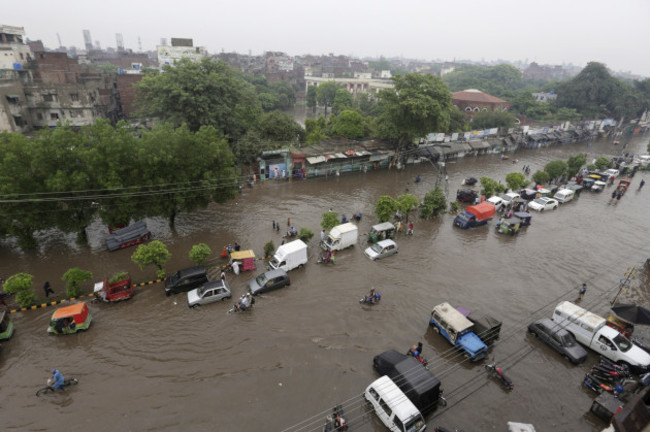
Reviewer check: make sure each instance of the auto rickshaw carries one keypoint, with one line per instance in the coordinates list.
(381, 232)
(245, 259)
(70, 319)
(509, 225)
(6, 326)
(525, 218)
(115, 289)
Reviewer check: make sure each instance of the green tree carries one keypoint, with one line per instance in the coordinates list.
(312, 98)
(315, 130)
(457, 120)
(556, 168)
(21, 285)
(406, 203)
(417, 105)
(602, 163)
(385, 207)
(200, 253)
(434, 202)
(269, 249)
(278, 126)
(516, 180)
(453, 207)
(330, 220)
(73, 278)
(343, 100)
(568, 114)
(153, 253)
(574, 164)
(491, 186)
(492, 119)
(325, 94)
(541, 177)
(305, 234)
(207, 93)
(348, 124)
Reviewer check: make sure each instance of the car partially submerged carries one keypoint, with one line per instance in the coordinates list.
(466, 196)
(209, 293)
(381, 249)
(558, 338)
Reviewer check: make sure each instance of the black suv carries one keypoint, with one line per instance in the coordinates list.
(185, 280)
(466, 196)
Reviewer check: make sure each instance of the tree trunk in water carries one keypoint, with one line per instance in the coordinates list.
(82, 236)
(172, 219)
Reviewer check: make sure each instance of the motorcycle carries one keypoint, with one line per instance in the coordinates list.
(237, 307)
(66, 383)
(370, 300)
(498, 373)
(335, 422)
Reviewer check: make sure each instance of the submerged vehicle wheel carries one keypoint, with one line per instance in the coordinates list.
(44, 390)
(436, 329)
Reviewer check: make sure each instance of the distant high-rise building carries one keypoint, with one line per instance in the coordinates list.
(139, 44)
(98, 45)
(120, 41)
(88, 41)
(163, 42)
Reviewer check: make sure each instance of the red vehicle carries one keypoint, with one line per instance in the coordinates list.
(115, 291)
(623, 185)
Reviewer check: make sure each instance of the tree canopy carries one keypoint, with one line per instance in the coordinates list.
(417, 105)
(207, 93)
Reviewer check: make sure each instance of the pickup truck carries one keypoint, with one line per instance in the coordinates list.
(592, 331)
(475, 215)
(458, 330)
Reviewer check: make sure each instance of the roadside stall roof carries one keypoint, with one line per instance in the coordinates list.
(454, 318)
(316, 159)
(69, 311)
(243, 254)
(383, 226)
(479, 144)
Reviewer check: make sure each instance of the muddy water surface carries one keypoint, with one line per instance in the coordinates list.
(152, 364)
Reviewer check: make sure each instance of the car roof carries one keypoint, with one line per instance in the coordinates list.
(552, 326)
(275, 273)
(191, 270)
(217, 284)
(386, 242)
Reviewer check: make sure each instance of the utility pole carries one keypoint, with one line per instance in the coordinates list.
(630, 274)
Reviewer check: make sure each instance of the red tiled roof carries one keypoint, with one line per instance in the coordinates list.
(475, 96)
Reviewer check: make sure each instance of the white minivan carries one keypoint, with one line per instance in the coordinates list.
(392, 406)
(564, 195)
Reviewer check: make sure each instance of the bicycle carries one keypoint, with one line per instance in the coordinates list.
(49, 389)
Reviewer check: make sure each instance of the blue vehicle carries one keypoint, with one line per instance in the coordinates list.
(458, 330)
(475, 215)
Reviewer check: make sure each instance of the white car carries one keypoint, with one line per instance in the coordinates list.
(508, 198)
(497, 202)
(541, 204)
(612, 172)
(208, 293)
(381, 249)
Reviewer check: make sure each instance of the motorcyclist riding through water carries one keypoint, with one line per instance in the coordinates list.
(244, 302)
(57, 379)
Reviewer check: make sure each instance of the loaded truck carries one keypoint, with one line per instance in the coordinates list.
(341, 237)
(592, 331)
(289, 256)
(458, 330)
(475, 215)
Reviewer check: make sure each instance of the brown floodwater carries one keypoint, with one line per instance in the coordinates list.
(152, 364)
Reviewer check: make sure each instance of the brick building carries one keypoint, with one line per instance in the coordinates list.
(472, 101)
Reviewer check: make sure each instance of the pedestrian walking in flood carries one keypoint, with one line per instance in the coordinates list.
(223, 275)
(48, 290)
(237, 247)
(583, 290)
(273, 224)
(322, 236)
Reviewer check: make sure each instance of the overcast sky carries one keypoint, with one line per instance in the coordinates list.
(546, 31)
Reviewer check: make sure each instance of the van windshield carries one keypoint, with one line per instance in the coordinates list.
(274, 262)
(463, 217)
(415, 425)
(622, 343)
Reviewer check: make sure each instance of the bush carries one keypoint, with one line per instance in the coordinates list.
(200, 253)
(21, 285)
(73, 278)
(453, 207)
(330, 220)
(434, 202)
(119, 276)
(385, 208)
(305, 234)
(269, 248)
(153, 253)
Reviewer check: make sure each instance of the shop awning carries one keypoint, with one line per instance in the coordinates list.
(316, 159)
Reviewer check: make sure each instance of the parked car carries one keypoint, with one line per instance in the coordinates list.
(381, 249)
(269, 281)
(559, 339)
(209, 293)
(541, 204)
(509, 198)
(185, 280)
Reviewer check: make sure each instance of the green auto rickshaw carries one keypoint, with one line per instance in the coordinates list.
(381, 232)
(6, 326)
(509, 225)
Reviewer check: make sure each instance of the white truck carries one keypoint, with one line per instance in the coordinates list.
(590, 330)
(341, 237)
(289, 256)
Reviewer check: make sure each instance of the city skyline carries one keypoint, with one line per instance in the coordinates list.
(574, 32)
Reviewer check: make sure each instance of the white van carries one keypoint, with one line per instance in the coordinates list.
(341, 237)
(564, 195)
(289, 256)
(392, 406)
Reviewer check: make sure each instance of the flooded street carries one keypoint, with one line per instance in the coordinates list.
(152, 364)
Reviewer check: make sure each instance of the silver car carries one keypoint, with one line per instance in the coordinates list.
(381, 249)
(209, 293)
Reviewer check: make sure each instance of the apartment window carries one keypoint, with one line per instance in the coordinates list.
(13, 99)
(39, 116)
(22, 57)
(49, 97)
(74, 97)
(19, 121)
(54, 116)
